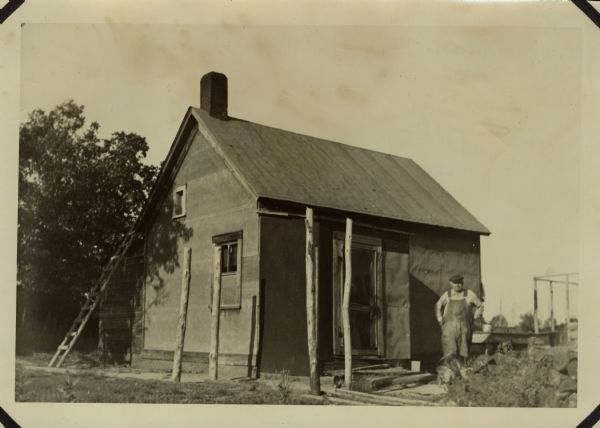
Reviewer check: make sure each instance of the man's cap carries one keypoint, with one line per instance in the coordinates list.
(456, 279)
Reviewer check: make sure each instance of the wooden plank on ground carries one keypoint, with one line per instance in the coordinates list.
(378, 399)
(373, 383)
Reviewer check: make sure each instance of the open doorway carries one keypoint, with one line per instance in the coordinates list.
(366, 303)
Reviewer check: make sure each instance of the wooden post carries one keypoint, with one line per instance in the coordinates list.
(536, 327)
(552, 321)
(311, 322)
(213, 357)
(568, 307)
(346, 305)
(183, 305)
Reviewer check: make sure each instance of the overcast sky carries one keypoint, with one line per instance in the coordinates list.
(492, 113)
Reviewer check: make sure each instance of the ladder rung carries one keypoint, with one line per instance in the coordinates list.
(63, 348)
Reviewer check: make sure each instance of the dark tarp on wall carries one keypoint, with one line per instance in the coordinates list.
(283, 273)
(434, 258)
(397, 299)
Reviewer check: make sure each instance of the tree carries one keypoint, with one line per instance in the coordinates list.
(499, 321)
(526, 324)
(78, 195)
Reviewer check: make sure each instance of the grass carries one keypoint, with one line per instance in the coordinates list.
(74, 359)
(38, 386)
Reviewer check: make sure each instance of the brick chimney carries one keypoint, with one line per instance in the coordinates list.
(213, 94)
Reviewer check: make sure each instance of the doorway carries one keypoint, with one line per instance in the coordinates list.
(366, 303)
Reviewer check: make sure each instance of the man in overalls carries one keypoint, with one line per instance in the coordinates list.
(453, 312)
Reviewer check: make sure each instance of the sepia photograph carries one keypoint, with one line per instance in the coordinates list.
(335, 216)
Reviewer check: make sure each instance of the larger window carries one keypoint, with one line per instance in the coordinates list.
(230, 246)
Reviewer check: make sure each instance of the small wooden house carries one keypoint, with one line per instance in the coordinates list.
(244, 187)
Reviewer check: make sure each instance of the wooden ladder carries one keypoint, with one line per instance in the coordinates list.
(93, 298)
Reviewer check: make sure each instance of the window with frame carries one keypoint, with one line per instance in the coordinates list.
(231, 269)
(179, 201)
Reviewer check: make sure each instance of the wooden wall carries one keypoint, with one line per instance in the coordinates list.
(216, 204)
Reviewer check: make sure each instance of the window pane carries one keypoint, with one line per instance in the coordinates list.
(224, 258)
(178, 203)
(363, 287)
(232, 258)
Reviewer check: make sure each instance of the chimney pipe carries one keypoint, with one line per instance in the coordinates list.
(213, 94)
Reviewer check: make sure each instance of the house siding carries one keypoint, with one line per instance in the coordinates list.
(216, 203)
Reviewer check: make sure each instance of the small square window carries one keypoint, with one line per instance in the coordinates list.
(179, 202)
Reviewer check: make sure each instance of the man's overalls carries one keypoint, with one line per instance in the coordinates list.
(455, 326)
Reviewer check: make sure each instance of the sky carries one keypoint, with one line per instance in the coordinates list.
(492, 113)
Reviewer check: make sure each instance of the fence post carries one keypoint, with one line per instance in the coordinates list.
(552, 321)
(568, 307)
(213, 356)
(183, 305)
(536, 327)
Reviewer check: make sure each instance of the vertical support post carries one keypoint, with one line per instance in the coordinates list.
(552, 320)
(183, 306)
(213, 357)
(568, 310)
(315, 381)
(536, 327)
(346, 305)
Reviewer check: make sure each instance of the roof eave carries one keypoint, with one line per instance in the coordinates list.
(165, 171)
(483, 231)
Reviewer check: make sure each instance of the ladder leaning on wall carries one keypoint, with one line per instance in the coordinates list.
(92, 300)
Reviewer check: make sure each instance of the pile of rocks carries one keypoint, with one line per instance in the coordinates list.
(563, 375)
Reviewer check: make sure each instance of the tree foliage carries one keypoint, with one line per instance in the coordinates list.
(78, 195)
(526, 324)
(499, 321)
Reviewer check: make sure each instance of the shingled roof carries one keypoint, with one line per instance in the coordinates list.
(287, 166)
(282, 165)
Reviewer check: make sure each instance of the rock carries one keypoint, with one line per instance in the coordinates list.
(481, 362)
(555, 378)
(572, 400)
(572, 368)
(445, 375)
(568, 385)
(561, 356)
